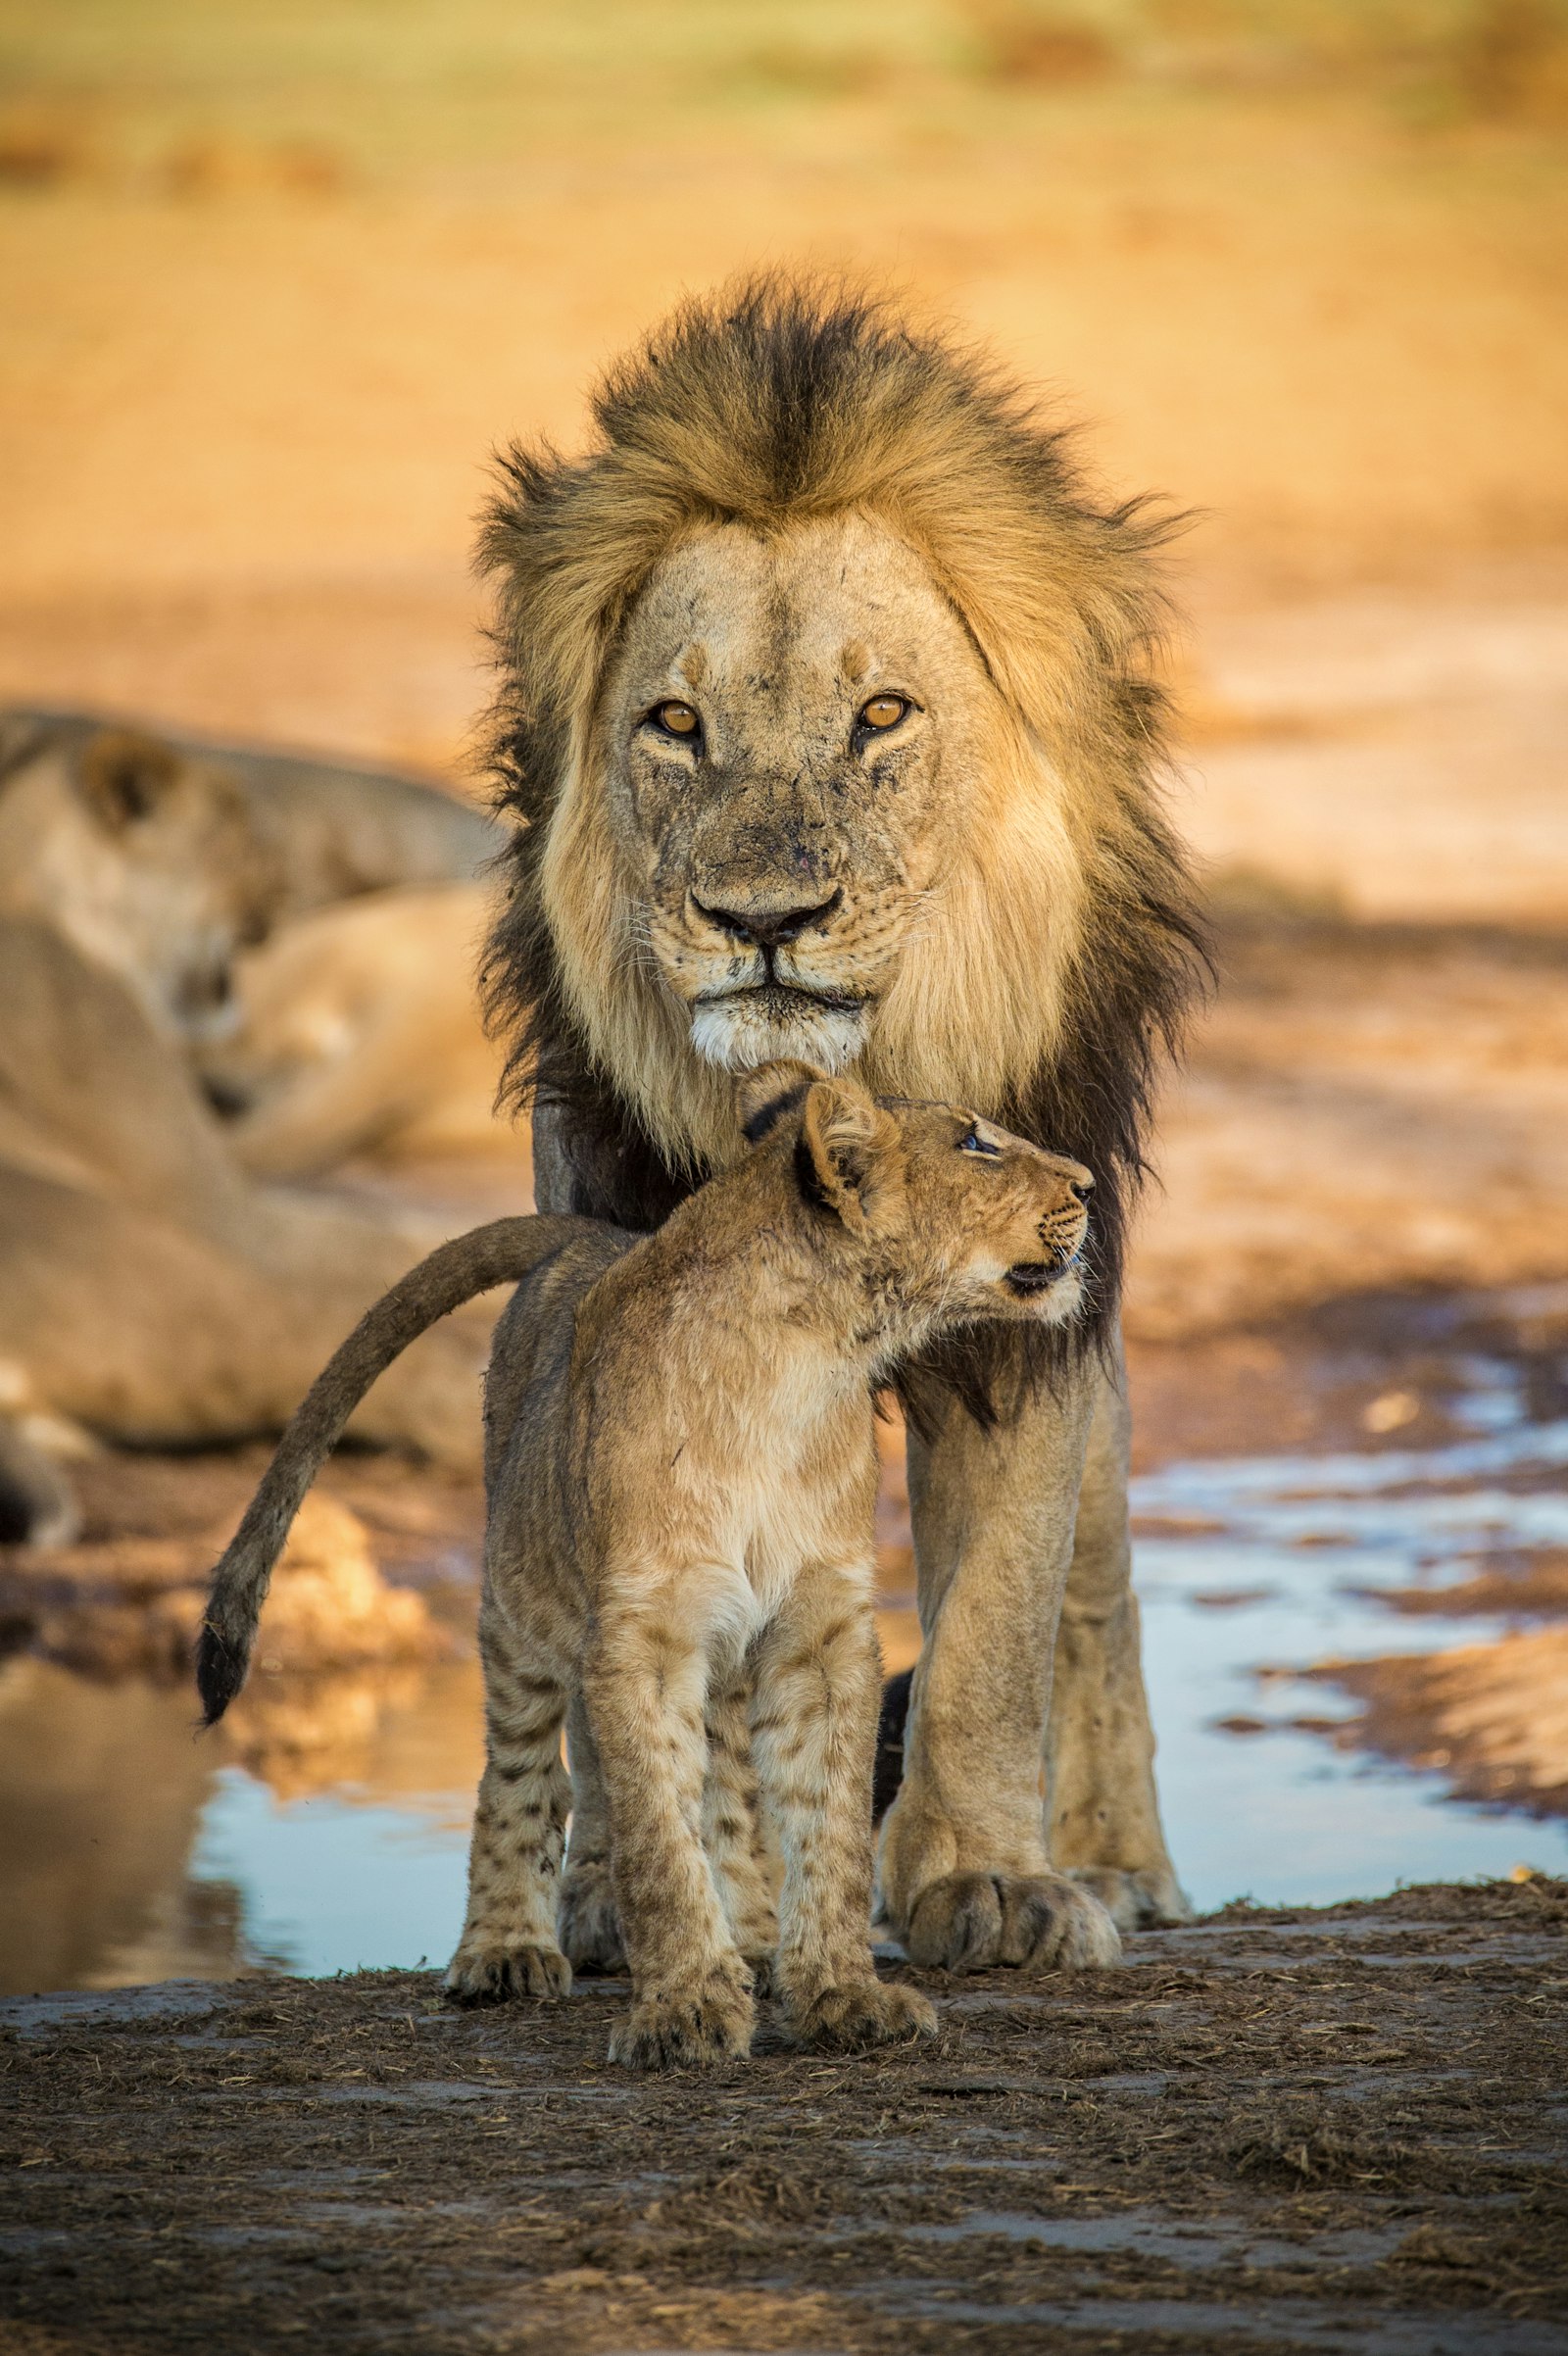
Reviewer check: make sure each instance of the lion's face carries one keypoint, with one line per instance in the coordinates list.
(782, 741)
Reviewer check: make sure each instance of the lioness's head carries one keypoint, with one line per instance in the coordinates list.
(143, 853)
(826, 708)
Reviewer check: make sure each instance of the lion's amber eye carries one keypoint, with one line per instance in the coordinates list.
(676, 719)
(883, 712)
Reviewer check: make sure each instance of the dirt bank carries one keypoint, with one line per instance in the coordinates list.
(1340, 2131)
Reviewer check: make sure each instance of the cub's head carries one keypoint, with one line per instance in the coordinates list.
(950, 1220)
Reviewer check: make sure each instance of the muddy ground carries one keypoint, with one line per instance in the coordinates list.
(1343, 2130)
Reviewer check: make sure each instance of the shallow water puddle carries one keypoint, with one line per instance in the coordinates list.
(131, 1851)
(1291, 1562)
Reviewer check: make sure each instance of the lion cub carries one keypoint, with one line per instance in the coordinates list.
(682, 1476)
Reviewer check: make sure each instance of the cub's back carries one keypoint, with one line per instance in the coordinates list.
(530, 1355)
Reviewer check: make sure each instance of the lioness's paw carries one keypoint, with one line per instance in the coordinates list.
(587, 1924)
(1032, 1922)
(700, 2027)
(849, 2019)
(1151, 1900)
(492, 1975)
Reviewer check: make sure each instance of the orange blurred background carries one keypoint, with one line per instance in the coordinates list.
(277, 279)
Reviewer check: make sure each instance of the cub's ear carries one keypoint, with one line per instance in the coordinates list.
(764, 1096)
(849, 1158)
(124, 775)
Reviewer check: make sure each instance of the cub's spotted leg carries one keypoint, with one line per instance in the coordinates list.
(507, 1946)
(814, 1728)
(644, 1683)
(733, 1832)
(586, 1920)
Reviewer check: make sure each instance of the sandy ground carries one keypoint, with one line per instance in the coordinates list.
(1338, 2131)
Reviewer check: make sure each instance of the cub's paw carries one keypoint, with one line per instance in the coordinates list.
(702, 2026)
(493, 1975)
(1150, 1899)
(1032, 1922)
(864, 2013)
(587, 1924)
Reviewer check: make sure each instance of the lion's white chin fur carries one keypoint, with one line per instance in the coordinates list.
(742, 1031)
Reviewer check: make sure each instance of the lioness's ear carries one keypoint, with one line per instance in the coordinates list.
(764, 1095)
(122, 774)
(849, 1158)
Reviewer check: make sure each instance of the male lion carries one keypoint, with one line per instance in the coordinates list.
(826, 721)
(681, 1480)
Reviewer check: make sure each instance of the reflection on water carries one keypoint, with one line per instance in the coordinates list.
(324, 1825)
(1251, 1572)
(324, 1828)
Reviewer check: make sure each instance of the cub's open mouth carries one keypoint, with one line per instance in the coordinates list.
(1028, 1276)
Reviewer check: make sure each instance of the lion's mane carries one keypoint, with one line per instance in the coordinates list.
(782, 401)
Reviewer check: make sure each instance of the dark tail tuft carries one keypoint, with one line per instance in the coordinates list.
(219, 1674)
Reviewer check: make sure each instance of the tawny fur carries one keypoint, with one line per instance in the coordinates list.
(681, 1478)
(160, 856)
(793, 501)
(149, 1290)
(354, 1030)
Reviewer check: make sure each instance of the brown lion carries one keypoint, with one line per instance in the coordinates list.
(827, 725)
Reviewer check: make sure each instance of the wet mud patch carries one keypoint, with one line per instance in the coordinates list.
(1338, 2129)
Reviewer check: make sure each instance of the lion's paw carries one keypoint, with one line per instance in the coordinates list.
(480, 1973)
(1031, 1922)
(1151, 1900)
(861, 2014)
(587, 1921)
(698, 2029)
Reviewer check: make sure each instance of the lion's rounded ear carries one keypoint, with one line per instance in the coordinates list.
(849, 1158)
(124, 774)
(764, 1097)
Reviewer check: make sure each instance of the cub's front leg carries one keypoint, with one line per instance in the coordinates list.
(644, 1682)
(733, 1832)
(814, 1722)
(588, 1919)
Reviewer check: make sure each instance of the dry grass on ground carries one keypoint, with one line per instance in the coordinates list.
(1276, 2130)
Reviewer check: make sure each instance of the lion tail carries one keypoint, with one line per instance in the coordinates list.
(503, 1253)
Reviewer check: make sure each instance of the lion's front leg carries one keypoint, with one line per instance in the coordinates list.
(1099, 1749)
(966, 1876)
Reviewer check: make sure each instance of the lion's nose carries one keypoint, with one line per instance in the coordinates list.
(767, 928)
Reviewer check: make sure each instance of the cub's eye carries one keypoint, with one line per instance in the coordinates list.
(882, 712)
(971, 1142)
(676, 719)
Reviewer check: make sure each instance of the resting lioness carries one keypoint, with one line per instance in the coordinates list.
(681, 1479)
